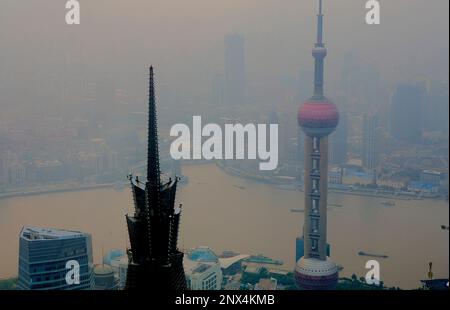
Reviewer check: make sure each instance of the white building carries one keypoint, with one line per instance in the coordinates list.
(335, 175)
(118, 260)
(431, 176)
(202, 269)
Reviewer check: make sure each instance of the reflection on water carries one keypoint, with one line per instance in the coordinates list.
(228, 213)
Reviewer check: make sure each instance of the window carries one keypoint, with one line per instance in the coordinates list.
(315, 164)
(315, 184)
(314, 244)
(316, 144)
(315, 206)
(314, 225)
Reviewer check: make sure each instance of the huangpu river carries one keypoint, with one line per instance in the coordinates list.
(229, 213)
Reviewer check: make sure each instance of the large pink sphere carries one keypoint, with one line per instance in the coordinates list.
(318, 118)
(315, 274)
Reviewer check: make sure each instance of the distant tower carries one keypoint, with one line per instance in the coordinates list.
(235, 84)
(436, 107)
(154, 259)
(406, 114)
(217, 90)
(369, 158)
(318, 118)
(338, 142)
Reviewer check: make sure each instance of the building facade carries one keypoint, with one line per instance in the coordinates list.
(406, 113)
(339, 143)
(203, 269)
(44, 253)
(104, 278)
(369, 154)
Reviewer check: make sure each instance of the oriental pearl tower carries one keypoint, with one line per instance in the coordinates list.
(318, 118)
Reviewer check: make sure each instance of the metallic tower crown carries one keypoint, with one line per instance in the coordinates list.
(154, 259)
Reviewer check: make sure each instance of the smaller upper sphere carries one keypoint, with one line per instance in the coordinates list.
(318, 118)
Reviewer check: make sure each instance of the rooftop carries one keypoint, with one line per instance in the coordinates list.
(202, 254)
(228, 261)
(199, 260)
(103, 270)
(434, 172)
(40, 233)
(253, 268)
(201, 268)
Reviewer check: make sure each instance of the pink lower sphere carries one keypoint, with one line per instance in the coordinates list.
(323, 116)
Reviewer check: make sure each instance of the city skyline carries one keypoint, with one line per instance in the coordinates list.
(361, 171)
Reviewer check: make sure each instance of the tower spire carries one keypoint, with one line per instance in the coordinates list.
(320, 26)
(154, 227)
(153, 170)
(319, 54)
(318, 117)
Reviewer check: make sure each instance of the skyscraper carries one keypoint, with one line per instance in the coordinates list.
(235, 85)
(318, 118)
(217, 90)
(339, 145)
(406, 117)
(369, 156)
(436, 107)
(44, 253)
(154, 259)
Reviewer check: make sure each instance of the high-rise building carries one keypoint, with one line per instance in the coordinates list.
(44, 253)
(235, 82)
(154, 259)
(217, 90)
(16, 174)
(406, 117)
(318, 118)
(369, 151)
(118, 260)
(436, 107)
(338, 142)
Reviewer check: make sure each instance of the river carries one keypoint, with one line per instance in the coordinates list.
(228, 213)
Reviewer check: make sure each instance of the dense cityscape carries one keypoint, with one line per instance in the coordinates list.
(379, 142)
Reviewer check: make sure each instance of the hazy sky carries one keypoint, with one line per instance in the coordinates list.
(184, 39)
